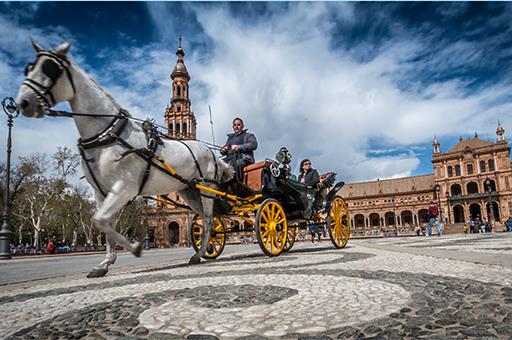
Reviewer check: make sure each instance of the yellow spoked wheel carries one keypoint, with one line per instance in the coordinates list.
(217, 238)
(271, 227)
(338, 222)
(290, 240)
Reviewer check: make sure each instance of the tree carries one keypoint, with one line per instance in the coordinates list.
(45, 195)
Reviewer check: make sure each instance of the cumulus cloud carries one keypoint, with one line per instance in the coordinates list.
(297, 81)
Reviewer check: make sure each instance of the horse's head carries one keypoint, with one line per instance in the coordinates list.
(48, 81)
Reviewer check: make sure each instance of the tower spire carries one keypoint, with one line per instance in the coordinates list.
(180, 119)
(500, 132)
(436, 145)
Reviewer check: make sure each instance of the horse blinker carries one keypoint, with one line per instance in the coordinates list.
(51, 69)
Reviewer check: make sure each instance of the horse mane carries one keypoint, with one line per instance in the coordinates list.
(95, 83)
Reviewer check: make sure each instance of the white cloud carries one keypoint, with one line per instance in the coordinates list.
(281, 74)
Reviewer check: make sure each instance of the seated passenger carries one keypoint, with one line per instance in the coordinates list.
(240, 146)
(308, 176)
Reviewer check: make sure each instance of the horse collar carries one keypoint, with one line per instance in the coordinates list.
(108, 135)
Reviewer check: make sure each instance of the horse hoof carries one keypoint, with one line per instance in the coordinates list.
(138, 249)
(97, 273)
(194, 260)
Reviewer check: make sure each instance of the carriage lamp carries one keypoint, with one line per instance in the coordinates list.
(488, 185)
(284, 156)
(12, 111)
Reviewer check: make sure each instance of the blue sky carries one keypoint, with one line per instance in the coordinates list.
(359, 88)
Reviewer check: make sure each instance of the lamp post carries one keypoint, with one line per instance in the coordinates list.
(489, 190)
(12, 111)
(146, 211)
(437, 188)
(448, 206)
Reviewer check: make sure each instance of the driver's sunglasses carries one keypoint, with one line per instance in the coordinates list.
(237, 125)
(307, 163)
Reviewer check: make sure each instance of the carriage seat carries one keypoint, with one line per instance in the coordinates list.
(253, 174)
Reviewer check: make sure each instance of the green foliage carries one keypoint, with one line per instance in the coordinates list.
(48, 201)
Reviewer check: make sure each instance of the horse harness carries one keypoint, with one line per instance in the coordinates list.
(53, 68)
(112, 134)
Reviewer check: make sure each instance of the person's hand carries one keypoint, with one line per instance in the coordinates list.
(224, 149)
(234, 148)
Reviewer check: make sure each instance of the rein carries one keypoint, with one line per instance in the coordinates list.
(112, 134)
(60, 113)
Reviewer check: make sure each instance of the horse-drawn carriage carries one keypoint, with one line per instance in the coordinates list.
(276, 205)
(123, 158)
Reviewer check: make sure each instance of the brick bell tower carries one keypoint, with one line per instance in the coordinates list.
(180, 120)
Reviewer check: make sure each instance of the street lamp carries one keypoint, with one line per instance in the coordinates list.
(12, 111)
(448, 206)
(146, 211)
(437, 188)
(488, 183)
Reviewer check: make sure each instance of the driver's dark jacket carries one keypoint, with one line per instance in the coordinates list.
(311, 178)
(246, 142)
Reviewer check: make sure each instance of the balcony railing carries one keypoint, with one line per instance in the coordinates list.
(461, 197)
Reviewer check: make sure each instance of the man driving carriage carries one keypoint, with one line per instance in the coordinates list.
(240, 146)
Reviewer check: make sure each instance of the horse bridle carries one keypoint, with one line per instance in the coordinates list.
(53, 67)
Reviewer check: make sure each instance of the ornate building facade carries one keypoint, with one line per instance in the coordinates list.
(168, 223)
(469, 178)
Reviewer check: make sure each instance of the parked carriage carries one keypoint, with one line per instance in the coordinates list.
(276, 205)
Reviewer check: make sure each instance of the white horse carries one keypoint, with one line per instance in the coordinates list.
(105, 135)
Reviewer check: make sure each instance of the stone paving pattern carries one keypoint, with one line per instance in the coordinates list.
(316, 292)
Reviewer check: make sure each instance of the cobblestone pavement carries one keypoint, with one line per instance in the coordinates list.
(313, 292)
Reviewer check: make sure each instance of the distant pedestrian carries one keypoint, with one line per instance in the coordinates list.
(471, 224)
(509, 224)
(50, 247)
(482, 226)
(433, 214)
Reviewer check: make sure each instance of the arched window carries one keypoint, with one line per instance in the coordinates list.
(450, 171)
(185, 128)
(491, 185)
(178, 92)
(472, 188)
(178, 108)
(457, 170)
(469, 167)
(491, 164)
(455, 189)
(482, 166)
(374, 220)
(178, 130)
(170, 128)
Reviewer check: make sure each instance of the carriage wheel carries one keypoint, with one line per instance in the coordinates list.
(271, 227)
(290, 240)
(217, 238)
(338, 222)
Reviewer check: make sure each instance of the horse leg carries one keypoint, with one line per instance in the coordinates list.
(102, 268)
(207, 216)
(204, 207)
(193, 199)
(116, 199)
